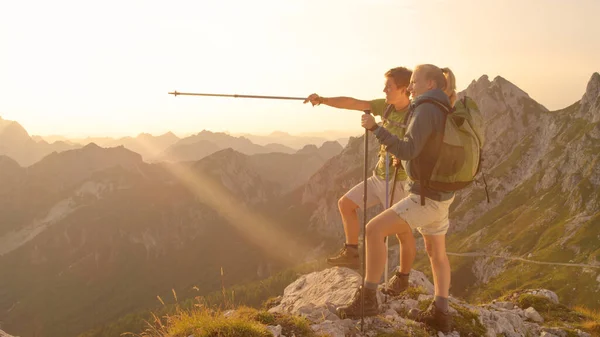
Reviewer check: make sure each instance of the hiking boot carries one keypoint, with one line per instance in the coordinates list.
(346, 257)
(352, 310)
(433, 317)
(396, 285)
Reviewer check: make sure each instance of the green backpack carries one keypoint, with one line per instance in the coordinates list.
(453, 160)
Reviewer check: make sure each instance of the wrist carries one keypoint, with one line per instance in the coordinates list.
(374, 128)
(322, 100)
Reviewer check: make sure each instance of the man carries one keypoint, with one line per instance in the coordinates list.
(431, 219)
(396, 95)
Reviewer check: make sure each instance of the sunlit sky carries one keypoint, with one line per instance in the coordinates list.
(104, 68)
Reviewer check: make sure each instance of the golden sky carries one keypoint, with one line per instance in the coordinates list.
(104, 68)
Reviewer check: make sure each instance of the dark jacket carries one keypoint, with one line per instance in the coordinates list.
(424, 130)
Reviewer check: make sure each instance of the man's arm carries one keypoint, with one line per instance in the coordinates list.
(339, 102)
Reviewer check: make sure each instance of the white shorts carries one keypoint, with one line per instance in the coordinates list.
(430, 219)
(376, 192)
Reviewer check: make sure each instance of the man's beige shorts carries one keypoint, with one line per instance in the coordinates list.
(430, 219)
(376, 192)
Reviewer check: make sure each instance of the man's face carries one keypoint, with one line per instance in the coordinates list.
(418, 84)
(393, 94)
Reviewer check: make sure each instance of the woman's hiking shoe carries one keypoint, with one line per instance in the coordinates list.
(434, 317)
(353, 311)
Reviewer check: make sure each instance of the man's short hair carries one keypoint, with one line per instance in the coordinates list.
(401, 76)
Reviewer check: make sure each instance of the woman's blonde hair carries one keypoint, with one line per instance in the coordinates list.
(450, 89)
(443, 78)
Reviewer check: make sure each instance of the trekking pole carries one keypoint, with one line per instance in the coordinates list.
(386, 114)
(364, 250)
(176, 93)
(385, 239)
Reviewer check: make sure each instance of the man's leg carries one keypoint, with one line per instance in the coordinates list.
(348, 204)
(348, 256)
(348, 209)
(353, 200)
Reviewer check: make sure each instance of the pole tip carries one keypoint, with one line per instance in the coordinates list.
(174, 93)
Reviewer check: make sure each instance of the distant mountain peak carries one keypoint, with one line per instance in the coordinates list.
(279, 134)
(93, 150)
(228, 152)
(506, 87)
(481, 82)
(590, 102)
(208, 132)
(484, 79)
(227, 155)
(593, 87)
(148, 136)
(13, 132)
(331, 143)
(327, 150)
(90, 146)
(309, 148)
(495, 96)
(6, 161)
(509, 88)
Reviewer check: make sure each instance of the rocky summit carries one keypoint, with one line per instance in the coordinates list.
(316, 296)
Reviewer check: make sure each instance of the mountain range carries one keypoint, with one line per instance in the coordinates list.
(16, 143)
(90, 234)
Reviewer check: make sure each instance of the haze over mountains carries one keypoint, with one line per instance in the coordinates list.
(298, 141)
(16, 143)
(89, 234)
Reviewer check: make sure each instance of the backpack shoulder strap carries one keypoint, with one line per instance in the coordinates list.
(388, 110)
(460, 120)
(439, 104)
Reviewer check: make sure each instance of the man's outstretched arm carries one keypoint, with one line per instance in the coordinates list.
(339, 102)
